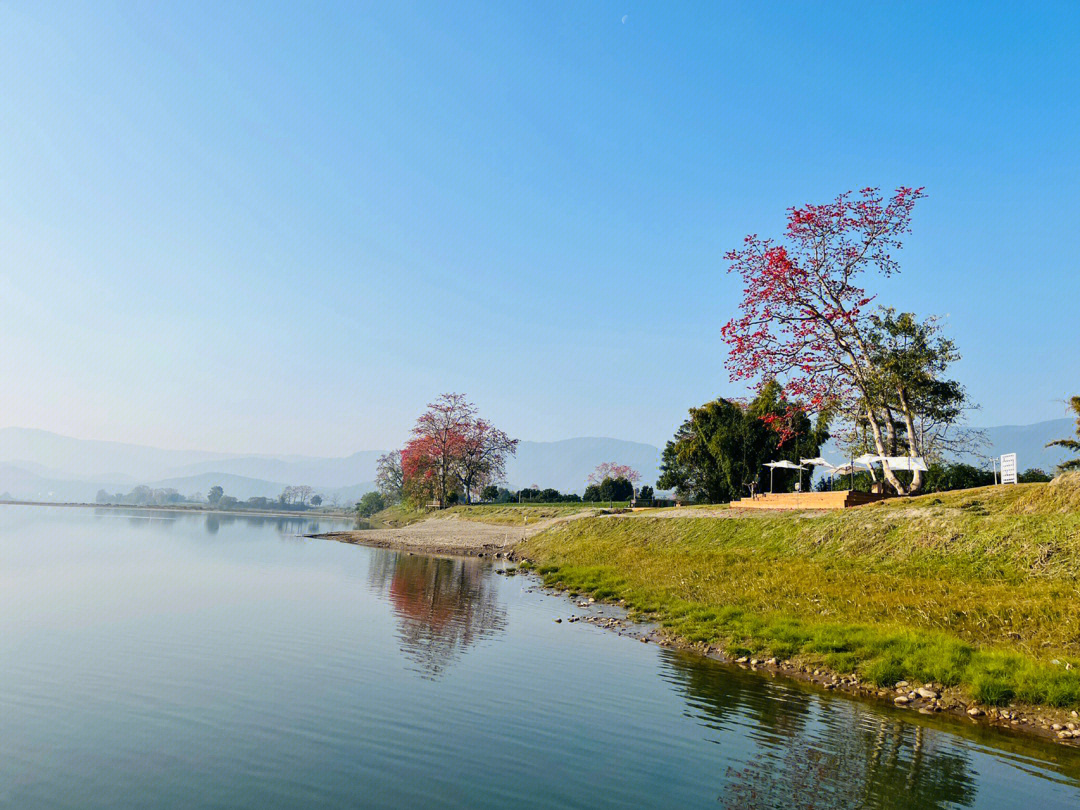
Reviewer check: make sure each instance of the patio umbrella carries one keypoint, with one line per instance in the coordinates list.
(818, 462)
(783, 465)
(906, 463)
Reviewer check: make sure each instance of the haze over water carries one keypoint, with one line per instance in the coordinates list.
(162, 659)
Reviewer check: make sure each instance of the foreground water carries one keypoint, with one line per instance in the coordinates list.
(157, 659)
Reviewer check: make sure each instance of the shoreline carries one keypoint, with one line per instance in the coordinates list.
(475, 539)
(446, 534)
(949, 705)
(192, 508)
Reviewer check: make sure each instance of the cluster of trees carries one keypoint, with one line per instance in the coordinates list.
(719, 452)
(292, 498)
(452, 455)
(299, 495)
(145, 496)
(806, 322)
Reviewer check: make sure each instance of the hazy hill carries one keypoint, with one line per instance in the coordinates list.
(1029, 442)
(66, 457)
(318, 472)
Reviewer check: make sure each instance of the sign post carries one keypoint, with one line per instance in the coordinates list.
(1008, 468)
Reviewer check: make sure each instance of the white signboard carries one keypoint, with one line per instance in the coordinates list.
(1008, 468)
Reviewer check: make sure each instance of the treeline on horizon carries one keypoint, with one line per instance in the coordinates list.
(291, 499)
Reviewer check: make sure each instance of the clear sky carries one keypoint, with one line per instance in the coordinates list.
(285, 228)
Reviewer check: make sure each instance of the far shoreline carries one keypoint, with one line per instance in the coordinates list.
(192, 508)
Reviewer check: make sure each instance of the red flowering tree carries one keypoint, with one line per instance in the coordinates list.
(804, 317)
(609, 469)
(482, 460)
(452, 447)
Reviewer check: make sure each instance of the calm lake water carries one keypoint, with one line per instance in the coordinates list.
(157, 659)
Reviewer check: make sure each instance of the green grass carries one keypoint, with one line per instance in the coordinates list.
(976, 589)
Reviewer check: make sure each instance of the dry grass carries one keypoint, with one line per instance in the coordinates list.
(516, 515)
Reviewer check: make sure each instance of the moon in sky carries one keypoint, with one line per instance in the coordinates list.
(624, 16)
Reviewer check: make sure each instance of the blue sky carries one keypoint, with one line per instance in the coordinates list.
(285, 228)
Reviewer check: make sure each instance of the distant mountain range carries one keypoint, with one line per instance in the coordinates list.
(39, 465)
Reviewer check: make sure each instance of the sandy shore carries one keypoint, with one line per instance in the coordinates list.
(449, 535)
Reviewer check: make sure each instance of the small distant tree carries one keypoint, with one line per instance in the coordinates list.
(1033, 475)
(616, 489)
(103, 496)
(592, 493)
(388, 477)
(482, 455)
(226, 502)
(1070, 444)
(430, 460)
(214, 496)
(646, 493)
(490, 493)
(609, 469)
(316, 500)
(370, 503)
(550, 495)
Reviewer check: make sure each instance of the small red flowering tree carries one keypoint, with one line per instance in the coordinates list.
(452, 447)
(609, 469)
(482, 460)
(804, 319)
(436, 446)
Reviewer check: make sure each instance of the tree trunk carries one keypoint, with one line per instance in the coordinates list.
(886, 472)
(914, 450)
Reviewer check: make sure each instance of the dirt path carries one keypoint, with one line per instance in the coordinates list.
(449, 535)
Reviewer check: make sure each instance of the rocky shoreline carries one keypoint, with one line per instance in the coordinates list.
(1057, 725)
(441, 536)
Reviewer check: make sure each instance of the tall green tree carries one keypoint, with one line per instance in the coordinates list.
(1070, 444)
(722, 447)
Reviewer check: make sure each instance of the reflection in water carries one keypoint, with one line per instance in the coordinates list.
(444, 605)
(287, 525)
(841, 755)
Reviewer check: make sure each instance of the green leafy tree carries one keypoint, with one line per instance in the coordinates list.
(316, 500)
(227, 502)
(1070, 444)
(646, 493)
(214, 496)
(1033, 475)
(918, 406)
(370, 503)
(592, 493)
(721, 448)
(490, 493)
(616, 489)
(945, 477)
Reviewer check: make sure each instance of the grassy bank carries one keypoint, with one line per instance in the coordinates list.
(976, 589)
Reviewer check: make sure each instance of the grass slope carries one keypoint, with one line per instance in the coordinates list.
(975, 589)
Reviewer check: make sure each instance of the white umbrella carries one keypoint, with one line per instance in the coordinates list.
(820, 462)
(783, 465)
(906, 463)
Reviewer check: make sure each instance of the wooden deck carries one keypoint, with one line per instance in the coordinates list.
(844, 499)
